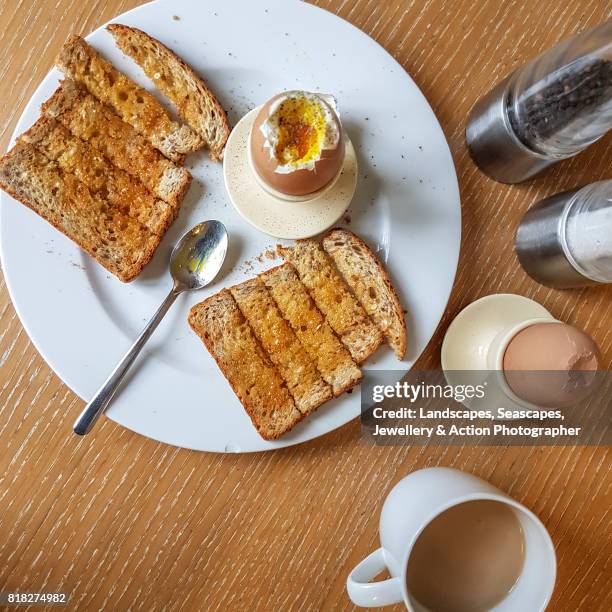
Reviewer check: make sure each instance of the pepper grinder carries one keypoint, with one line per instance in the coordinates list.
(550, 109)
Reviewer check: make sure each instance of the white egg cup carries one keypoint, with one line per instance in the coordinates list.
(477, 339)
(276, 214)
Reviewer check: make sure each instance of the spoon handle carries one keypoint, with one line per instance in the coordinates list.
(105, 393)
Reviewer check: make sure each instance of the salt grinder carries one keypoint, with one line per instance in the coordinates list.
(550, 109)
(565, 240)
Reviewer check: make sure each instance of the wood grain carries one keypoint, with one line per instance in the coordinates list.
(151, 527)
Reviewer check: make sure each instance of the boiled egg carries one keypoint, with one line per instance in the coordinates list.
(297, 143)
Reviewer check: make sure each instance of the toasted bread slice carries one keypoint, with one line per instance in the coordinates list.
(255, 380)
(135, 105)
(366, 276)
(331, 295)
(329, 355)
(75, 156)
(97, 124)
(118, 242)
(196, 104)
(303, 380)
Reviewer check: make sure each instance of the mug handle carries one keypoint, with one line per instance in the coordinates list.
(373, 594)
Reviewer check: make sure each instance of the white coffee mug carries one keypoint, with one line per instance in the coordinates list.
(411, 505)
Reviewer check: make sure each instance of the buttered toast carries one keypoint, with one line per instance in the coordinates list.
(278, 339)
(275, 348)
(260, 388)
(366, 276)
(331, 357)
(331, 295)
(93, 177)
(195, 102)
(112, 237)
(92, 121)
(291, 313)
(88, 165)
(135, 105)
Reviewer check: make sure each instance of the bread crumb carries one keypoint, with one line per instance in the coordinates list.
(175, 18)
(347, 219)
(267, 254)
(247, 266)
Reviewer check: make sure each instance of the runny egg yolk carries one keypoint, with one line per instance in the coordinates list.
(301, 131)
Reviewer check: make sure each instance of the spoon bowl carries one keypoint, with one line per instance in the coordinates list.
(198, 256)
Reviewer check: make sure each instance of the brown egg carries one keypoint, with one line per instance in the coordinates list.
(300, 124)
(551, 365)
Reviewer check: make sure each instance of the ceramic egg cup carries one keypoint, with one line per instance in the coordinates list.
(477, 339)
(279, 215)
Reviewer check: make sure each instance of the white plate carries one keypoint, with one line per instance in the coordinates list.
(82, 319)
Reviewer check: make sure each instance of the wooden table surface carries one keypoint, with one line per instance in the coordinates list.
(155, 527)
